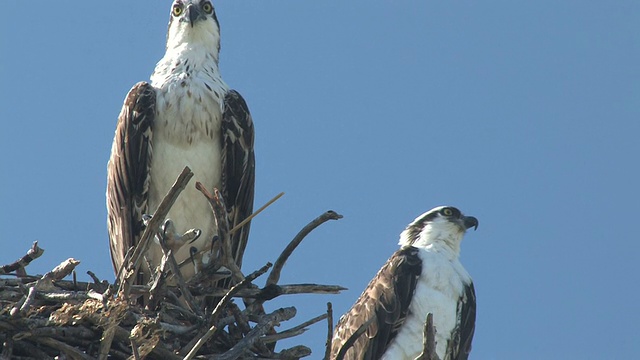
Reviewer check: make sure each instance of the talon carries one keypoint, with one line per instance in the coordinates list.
(192, 253)
(146, 218)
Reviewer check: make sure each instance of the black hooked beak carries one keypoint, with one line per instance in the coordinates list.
(193, 13)
(470, 222)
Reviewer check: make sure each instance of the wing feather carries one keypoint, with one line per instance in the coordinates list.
(459, 345)
(386, 299)
(128, 170)
(238, 168)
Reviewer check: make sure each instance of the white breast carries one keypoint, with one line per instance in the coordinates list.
(437, 291)
(186, 132)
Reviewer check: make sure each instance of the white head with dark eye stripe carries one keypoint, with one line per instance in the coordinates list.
(194, 22)
(443, 224)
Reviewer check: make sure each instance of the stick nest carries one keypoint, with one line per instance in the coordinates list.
(46, 316)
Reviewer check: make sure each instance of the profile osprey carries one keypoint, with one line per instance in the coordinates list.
(187, 116)
(423, 277)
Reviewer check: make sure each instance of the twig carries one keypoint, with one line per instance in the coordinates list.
(268, 322)
(274, 275)
(33, 352)
(32, 254)
(68, 332)
(294, 353)
(152, 227)
(250, 217)
(157, 283)
(243, 325)
(123, 336)
(222, 224)
(46, 282)
(106, 341)
(327, 346)
(94, 277)
(7, 349)
(67, 349)
(219, 308)
(134, 350)
(294, 331)
(271, 292)
(173, 265)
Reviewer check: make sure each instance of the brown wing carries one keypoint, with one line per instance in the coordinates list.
(459, 345)
(238, 168)
(385, 303)
(128, 170)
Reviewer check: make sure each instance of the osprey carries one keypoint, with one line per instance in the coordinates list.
(423, 277)
(186, 116)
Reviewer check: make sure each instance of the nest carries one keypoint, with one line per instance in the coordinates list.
(46, 316)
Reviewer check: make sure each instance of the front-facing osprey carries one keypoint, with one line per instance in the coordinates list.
(423, 277)
(187, 116)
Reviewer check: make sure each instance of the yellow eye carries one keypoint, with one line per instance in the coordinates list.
(207, 7)
(177, 10)
(447, 212)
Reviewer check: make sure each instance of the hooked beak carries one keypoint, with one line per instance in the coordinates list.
(470, 222)
(193, 13)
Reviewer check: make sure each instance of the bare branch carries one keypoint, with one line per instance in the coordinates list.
(222, 224)
(269, 321)
(294, 331)
(327, 346)
(173, 265)
(32, 254)
(274, 276)
(250, 217)
(221, 305)
(151, 229)
(46, 282)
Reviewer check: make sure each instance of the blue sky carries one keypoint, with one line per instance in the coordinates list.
(523, 114)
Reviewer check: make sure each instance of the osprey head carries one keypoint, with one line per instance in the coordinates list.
(441, 224)
(193, 21)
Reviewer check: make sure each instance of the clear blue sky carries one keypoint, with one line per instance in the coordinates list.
(524, 115)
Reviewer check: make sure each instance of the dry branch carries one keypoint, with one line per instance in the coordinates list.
(327, 346)
(274, 276)
(33, 253)
(245, 221)
(294, 331)
(151, 229)
(221, 305)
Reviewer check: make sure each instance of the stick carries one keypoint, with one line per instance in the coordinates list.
(69, 350)
(327, 346)
(271, 292)
(219, 308)
(222, 223)
(173, 265)
(152, 227)
(268, 322)
(7, 349)
(46, 282)
(294, 331)
(274, 276)
(32, 254)
(250, 217)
